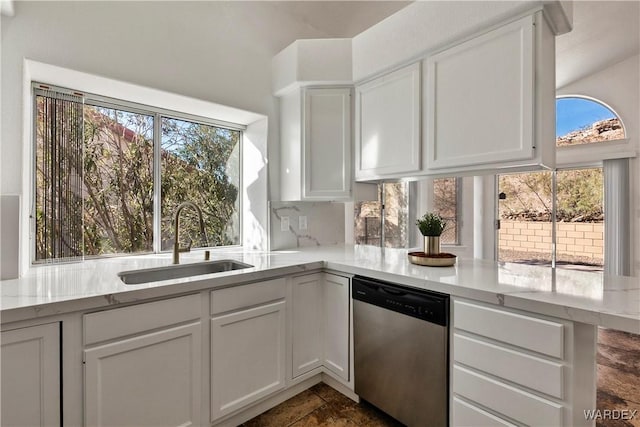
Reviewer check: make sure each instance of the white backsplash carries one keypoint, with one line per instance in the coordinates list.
(9, 229)
(325, 224)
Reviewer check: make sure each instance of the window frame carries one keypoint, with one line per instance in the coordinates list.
(572, 156)
(591, 155)
(465, 217)
(158, 113)
(458, 217)
(604, 104)
(554, 208)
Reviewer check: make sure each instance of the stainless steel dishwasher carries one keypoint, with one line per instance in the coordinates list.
(401, 351)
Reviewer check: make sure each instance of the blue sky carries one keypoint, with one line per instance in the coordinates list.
(576, 113)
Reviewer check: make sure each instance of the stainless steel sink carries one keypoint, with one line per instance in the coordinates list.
(135, 277)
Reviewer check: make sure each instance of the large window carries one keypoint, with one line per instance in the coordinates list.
(446, 198)
(529, 200)
(582, 120)
(527, 224)
(109, 176)
(391, 218)
(201, 163)
(384, 222)
(117, 185)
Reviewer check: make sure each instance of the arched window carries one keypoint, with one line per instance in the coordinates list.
(582, 120)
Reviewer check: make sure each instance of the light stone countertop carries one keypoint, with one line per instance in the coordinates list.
(608, 301)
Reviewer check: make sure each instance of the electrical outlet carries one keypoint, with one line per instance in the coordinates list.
(284, 223)
(302, 222)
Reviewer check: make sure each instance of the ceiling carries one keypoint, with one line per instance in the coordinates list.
(604, 33)
(340, 19)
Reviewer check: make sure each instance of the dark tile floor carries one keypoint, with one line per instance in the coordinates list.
(321, 405)
(618, 375)
(618, 366)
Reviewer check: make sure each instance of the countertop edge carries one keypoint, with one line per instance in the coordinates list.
(112, 300)
(530, 300)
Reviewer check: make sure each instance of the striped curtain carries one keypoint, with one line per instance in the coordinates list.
(59, 169)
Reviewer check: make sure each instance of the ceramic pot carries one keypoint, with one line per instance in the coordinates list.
(432, 245)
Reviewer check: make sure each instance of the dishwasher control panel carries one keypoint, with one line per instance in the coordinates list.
(426, 305)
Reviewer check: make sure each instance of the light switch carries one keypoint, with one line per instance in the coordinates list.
(284, 223)
(302, 222)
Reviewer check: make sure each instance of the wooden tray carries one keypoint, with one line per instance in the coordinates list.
(443, 259)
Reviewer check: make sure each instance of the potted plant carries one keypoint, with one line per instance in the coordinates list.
(431, 226)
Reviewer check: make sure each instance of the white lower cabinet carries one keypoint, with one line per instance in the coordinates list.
(248, 345)
(512, 402)
(336, 325)
(320, 324)
(467, 414)
(514, 368)
(30, 376)
(140, 371)
(307, 311)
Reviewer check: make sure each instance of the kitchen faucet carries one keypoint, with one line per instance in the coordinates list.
(176, 230)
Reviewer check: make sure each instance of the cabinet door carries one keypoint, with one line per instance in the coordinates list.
(306, 320)
(148, 380)
(336, 325)
(388, 125)
(247, 357)
(480, 99)
(30, 376)
(327, 144)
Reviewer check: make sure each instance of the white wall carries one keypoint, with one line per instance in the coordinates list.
(619, 87)
(215, 51)
(195, 51)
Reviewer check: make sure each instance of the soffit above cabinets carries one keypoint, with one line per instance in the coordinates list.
(339, 18)
(417, 30)
(6, 7)
(311, 62)
(604, 33)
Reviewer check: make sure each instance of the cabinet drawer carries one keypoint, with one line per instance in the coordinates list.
(542, 336)
(529, 371)
(244, 296)
(504, 399)
(110, 324)
(468, 415)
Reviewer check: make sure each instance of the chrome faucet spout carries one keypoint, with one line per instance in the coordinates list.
(176, 230)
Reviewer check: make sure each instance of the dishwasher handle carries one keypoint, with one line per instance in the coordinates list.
(392, 291)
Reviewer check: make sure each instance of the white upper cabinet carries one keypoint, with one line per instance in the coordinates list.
(315, 131)
(490, 101)
(327, 144)
(483, 104)
(388, 125)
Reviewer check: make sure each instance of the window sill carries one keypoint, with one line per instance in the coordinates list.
(594, 153)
